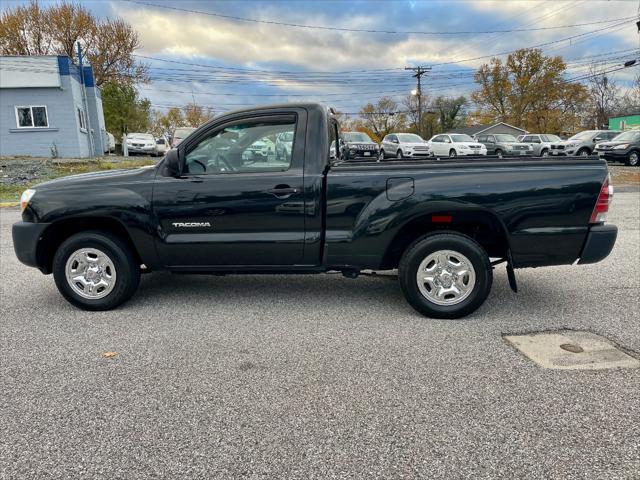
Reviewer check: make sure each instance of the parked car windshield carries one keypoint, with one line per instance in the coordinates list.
(356, 137)
(630, 136)
(506, 138)
(141, 136)
(550, 138)
(586, 135)
(463, 137)
(410, 138)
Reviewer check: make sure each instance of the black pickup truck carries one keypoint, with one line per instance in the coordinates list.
(211, 207)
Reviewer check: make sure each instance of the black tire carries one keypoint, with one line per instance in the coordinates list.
(399, 154)
(382, 157)
(499, 153)
(583, 152)
(544, 153)
(453, 153)
(632, 159)
(126, 267)
(423, 247)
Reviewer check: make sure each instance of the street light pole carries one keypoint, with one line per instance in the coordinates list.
(420, 71)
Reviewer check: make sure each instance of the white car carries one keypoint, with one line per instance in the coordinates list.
(454, 145)
(162, 145)
(109, 143)
(144, 143)
(403, 145)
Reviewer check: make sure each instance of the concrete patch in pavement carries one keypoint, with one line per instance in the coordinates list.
(571, 350)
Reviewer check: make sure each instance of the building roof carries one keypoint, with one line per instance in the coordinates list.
(476, 129)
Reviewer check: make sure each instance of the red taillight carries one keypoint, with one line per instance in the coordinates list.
(601, 209)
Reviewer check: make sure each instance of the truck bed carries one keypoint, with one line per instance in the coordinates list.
(543, 205)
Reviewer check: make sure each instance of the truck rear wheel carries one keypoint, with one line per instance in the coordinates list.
(445, 275)
(95, 271)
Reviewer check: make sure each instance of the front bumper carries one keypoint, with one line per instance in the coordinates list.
(614, 155)
(141, 149)
(471, 152)
(599, 243)
(26, 236)
(364, 154)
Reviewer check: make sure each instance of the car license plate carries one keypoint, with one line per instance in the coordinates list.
(554, 152)
(522, 152)
(367, 154)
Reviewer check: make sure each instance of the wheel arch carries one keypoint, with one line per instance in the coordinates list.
(484, 226)
(59, 231)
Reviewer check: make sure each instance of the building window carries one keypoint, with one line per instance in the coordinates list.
(32, 117)
(82, 121)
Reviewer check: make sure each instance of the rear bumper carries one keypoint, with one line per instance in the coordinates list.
(599, 243)
(26, 236)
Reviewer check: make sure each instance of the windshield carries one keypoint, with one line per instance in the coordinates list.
(506, 138)
(463, 137)
(630, 136)
(183, 132)
(586, 135)
(142, 136)
(355, 137)
(410, 138)
(551, 138)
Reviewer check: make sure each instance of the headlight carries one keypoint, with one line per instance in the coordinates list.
(621, 147)
(27, 195)
(572, 145)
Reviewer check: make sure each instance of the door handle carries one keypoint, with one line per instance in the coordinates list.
(283, 191)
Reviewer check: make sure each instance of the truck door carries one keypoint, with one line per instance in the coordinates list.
(240, 200)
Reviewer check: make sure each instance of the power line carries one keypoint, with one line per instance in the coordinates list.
(366, 30)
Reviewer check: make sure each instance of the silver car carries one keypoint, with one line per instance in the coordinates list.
(582, 144)
(540, 142)
(403, 145)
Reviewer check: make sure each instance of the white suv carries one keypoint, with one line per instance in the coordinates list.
(455, 144)
(403, 145)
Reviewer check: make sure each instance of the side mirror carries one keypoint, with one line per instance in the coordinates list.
(597, 139)
(172, 165)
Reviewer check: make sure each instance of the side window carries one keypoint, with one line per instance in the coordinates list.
(242, 148)
(436, 139)
(482, 138)
(332, 139)
(446, 139)
(491, 139)
(32, 117)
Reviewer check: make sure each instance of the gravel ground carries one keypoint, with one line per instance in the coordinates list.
(27, 170)
(316, 377)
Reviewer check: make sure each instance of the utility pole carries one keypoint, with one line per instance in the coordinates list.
(420, 71)
(86, 103)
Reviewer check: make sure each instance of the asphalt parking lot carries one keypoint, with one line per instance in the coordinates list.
(316, 377)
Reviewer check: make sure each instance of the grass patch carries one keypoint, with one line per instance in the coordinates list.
(10, 193)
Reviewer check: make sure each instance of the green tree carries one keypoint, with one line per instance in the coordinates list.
(124, 111)
(449, 111)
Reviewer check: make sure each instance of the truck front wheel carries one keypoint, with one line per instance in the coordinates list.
(445, 275)
(95, 270)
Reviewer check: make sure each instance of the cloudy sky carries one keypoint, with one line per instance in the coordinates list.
(232, 53)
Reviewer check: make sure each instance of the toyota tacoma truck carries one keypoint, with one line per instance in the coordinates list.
(209, 208)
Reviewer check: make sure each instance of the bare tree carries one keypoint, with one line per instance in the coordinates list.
(383, 117)
(109, 45)
(604, 96)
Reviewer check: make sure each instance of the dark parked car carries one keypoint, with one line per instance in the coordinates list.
(209, 208)
(623, 148)
(359, 145)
